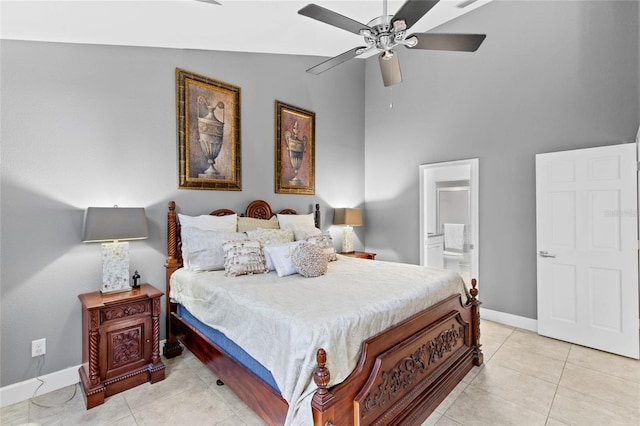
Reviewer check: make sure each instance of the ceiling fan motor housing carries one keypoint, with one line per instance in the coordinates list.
(384, 35)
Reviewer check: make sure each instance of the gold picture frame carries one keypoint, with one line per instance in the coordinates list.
(294, 150)
(208, 120)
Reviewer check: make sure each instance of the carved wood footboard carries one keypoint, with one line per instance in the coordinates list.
(405, 371)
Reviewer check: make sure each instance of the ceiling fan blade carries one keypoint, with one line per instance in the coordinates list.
(412, 10)
(390, 68)
(456, 42)
(337, 60)
(330, 17)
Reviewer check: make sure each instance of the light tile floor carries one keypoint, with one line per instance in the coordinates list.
(525, 380)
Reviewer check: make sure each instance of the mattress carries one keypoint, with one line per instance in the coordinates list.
(230, 347)
(281, 321)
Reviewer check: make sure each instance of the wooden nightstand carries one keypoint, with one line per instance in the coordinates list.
(360, 255)
(120, 342)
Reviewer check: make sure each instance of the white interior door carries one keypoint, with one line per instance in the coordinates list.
(587, 241)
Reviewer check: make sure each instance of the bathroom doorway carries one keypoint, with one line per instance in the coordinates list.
(449, 217)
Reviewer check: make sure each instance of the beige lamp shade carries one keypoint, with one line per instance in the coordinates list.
(114, 224)
(347, 216)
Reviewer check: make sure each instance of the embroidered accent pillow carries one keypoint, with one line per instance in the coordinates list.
(270, 237)
(326, 243)
(250, 223)
(304, 232)
(243, 257)
(310, 260)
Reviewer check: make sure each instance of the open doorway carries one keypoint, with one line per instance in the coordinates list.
(449, 217)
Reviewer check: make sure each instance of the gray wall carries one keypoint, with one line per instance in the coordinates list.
(550, 76)
(95, 126)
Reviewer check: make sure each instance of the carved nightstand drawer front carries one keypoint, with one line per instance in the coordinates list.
(123, 311)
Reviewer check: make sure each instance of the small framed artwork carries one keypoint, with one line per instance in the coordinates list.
(295, 150)
(208, 120)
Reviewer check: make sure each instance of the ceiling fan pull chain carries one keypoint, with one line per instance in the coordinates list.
(391, 97)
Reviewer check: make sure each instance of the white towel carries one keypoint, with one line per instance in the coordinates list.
(454, 236)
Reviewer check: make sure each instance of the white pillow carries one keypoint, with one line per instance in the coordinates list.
(296, 220)
(203, 250)
(243, 257)
(210, 223)
(281, 258)
(267, 260)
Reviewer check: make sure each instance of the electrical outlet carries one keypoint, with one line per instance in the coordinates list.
(38, 347)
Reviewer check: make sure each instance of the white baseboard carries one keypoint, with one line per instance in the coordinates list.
(22, 391)
(509, 319)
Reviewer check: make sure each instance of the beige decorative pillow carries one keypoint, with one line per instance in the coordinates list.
(243, 257)
(310, 260)
(249, 223)
(287, 220)
(269, 237)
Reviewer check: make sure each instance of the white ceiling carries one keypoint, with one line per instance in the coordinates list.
(267, 26)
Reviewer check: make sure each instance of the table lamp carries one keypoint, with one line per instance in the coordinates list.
(349, 218)
(114, 227)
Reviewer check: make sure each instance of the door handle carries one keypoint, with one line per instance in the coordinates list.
(546, 254)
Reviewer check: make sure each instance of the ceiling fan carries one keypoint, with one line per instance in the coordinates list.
(386, 32)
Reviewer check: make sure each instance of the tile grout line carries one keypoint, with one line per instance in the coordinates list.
(555, 393)
(444, 414)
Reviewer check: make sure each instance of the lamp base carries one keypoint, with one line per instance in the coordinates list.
(115, 267)
(120, 290)
(347, 239)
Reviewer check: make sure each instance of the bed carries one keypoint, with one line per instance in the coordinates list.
(397, 374)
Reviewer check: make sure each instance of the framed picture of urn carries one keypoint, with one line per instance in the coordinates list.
(208, 121)
(295, 150)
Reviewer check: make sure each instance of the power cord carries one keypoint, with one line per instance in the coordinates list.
(39, 365)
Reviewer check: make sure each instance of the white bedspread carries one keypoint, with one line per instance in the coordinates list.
(281, 322)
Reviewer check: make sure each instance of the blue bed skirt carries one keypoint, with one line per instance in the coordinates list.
(229, 347)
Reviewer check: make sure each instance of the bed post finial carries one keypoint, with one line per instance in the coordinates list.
(474, 290)
(316, 215)
(323, 399)
(475, 338)
(321, 375)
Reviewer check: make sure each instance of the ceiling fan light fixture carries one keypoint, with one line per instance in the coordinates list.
(411, 41)
(399, 25)
(387, 55)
